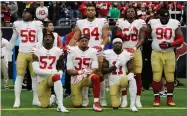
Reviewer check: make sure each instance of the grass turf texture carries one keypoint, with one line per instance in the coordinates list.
(26, 109)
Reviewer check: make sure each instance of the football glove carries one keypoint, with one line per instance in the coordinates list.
(131, 50)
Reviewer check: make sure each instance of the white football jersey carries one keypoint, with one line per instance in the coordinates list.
(112, 57)
(28, 34)
(162, 33)
(93, 29)
(79, 60)
(47, 58)
(136, 25)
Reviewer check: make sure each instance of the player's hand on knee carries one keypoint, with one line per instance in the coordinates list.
(87, 71)
(131, 50)
(78, 78)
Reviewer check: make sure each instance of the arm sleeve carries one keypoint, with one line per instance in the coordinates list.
(70, 61)
(59, 42)
(12, 41)
(95, 61)
(37, 70)
(40, 33)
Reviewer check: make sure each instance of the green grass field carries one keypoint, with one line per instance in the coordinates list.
(26, 109)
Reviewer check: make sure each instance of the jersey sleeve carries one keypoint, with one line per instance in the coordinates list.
(15, 25)
(59, 52)
(39, 25)
(78, 23)
(36, 51)
(106, 54)
(142, 23)
(104, 21)
(70, 61)
(150, 22)
(176, 23)
(126, 55)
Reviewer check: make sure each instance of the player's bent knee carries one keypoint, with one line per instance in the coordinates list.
(20, 72)
(44, 105)
(169, 77)
(55, 77)
(76, 102)
(115, 104)
(95, 78)
(157, 77)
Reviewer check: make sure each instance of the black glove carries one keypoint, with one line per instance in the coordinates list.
(165, 45)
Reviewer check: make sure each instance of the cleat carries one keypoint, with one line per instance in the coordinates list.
(133, 109)
(85, 102)
(62, 109)
(156, 101)
(16, 104)
(138, 103)
(52, 100)
(96, 107)
(124, 102)
(103, 103)
(170, 101)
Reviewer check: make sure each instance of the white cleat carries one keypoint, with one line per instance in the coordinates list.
(124, 102)
(52, 99)
(85, 102)
(62, 109)
(138, 103)
(103, 103)
(133, 109)
(96, 107)
(36, 103)
(16, 104)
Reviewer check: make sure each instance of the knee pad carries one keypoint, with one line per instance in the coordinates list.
(169, 77)
(44, 104)
(115, 102)
(55, 77)
(95, 78)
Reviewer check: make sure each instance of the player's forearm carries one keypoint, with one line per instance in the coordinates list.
(140, 42)
(12, 42)
(179, 40)
(130, 67)
(40, 36)
(105, 39)
(75, 38)
(108, 70)
(141, 38)
(37, 70)
(72, 42)
(72, 72)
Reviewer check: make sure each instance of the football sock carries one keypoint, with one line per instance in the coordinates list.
(139, 84)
